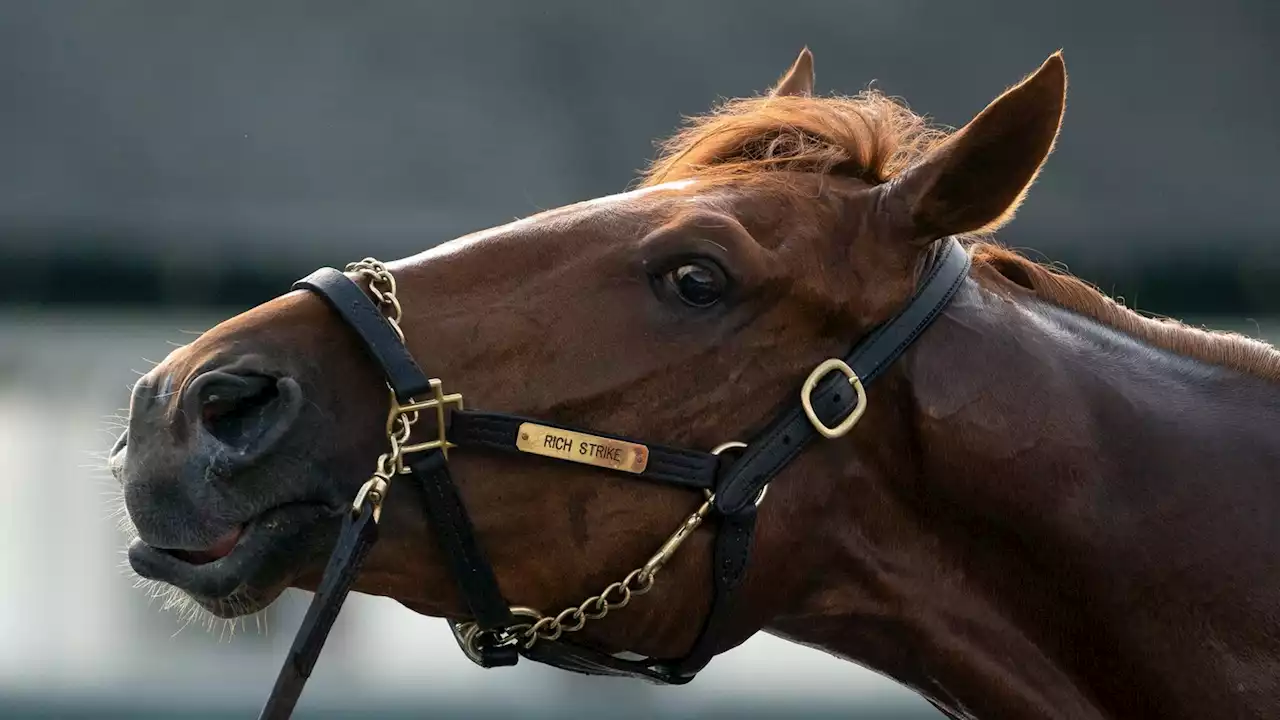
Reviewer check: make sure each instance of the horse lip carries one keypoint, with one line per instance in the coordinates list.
(263, 541)
(218, 579)
(221, 547)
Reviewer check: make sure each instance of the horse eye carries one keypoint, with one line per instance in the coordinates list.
(700, 284)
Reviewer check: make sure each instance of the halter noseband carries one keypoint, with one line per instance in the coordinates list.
(832, 400)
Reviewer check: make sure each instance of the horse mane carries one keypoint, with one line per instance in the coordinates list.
(872, 137)
(867, 136)
(1050, 284)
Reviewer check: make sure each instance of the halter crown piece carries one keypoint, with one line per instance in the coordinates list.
(831, 402)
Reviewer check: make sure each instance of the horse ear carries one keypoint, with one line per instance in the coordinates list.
(799, 79)
(975, 179)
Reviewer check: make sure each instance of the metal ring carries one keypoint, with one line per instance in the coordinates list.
(466, 634)
(471, 634)
(731, 445)
(806, 398)
(761, 494)
(735, 445)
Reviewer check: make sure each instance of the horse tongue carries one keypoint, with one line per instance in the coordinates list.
(225, 544)
(220, 548)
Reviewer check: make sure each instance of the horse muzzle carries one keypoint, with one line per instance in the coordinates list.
(254, 566)
(211, 518)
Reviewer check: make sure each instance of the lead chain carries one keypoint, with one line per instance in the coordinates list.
(549, 628)
(382, 286)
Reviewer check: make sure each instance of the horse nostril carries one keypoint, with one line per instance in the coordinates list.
(243, 412)
(227, 409)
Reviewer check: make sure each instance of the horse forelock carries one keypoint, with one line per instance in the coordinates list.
(868, 136)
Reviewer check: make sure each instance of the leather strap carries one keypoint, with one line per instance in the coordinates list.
(731, 550)
(471, 569)
(832, 400)
(359, 533)
(589, 661)
(497, 431)
(362, 315)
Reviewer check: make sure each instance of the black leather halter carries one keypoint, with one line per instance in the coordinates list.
(830, 402)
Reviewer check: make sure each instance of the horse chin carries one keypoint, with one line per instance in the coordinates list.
(273, 549)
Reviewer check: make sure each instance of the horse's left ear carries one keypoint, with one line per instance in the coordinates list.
(975, 179)
(799, 79)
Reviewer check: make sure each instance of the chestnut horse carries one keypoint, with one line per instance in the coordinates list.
(1052, 507)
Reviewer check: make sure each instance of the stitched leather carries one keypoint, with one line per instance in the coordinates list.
(589, 661)
(359, 532)
(497, 431)
(785, 437)
(453, 530)
(833, 398)
(732, 550)
(363, 316)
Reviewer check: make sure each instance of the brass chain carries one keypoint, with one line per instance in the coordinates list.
(637, 583)
(551, 628)
(616, 596)
(400, 421)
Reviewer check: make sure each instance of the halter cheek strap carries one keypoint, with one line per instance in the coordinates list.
(832, 400)
(832, 396)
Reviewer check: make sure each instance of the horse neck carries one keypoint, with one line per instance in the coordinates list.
(1059, 543)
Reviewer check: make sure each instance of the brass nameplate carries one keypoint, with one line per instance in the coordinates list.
(582, 448)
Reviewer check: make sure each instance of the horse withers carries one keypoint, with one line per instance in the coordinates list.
(1049, 506)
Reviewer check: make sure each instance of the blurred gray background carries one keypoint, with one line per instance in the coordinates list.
(164, 164)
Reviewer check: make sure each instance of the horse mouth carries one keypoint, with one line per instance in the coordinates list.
(248, 567)
(221, 548)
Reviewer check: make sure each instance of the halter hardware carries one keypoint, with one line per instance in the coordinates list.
(806, 399)
(374, 491)
(733, 489)
(735, 445)
(412, 408)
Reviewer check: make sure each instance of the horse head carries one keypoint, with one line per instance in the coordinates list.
(768, 236)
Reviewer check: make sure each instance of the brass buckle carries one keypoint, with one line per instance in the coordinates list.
(806, 398)
(438, 403)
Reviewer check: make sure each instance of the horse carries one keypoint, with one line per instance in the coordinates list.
(1047, 505)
